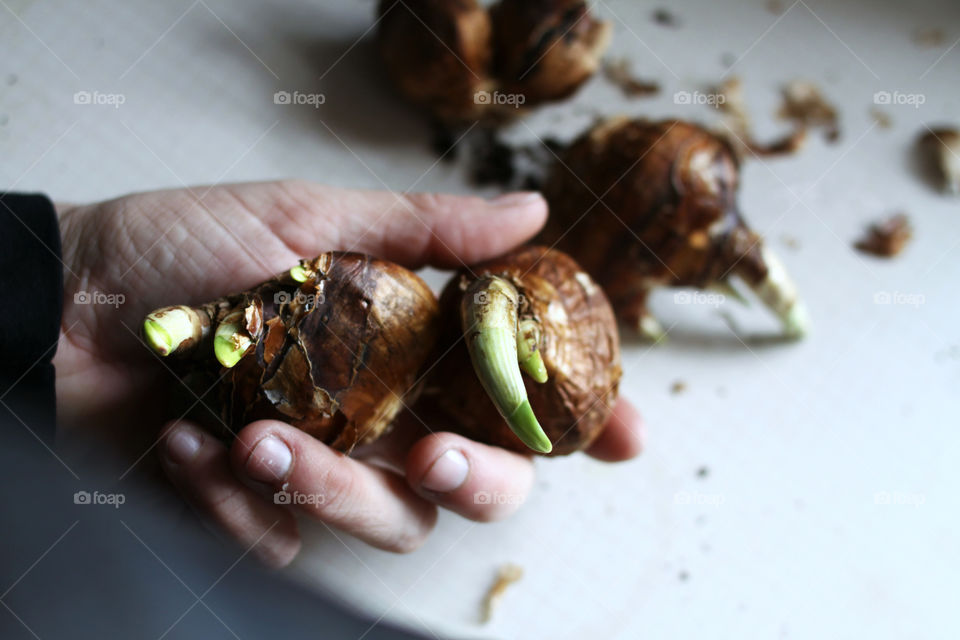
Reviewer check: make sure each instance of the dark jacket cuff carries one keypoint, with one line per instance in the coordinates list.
(32, 289)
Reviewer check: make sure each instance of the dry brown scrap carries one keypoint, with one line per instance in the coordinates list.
(806, 107)
(775, 7)
(619, 73)
(506, 575)
(731, 102)
(790, 241)
(887, 238)
(929, 37)
(882, 118)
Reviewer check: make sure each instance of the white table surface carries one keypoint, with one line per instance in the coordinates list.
(788, 535)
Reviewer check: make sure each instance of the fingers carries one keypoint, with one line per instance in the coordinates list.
(458, 231)
(410, 229)
(389, 451)
(370, 503)
(199, 466)
(181, 249)
(475, 480)
(623, 436)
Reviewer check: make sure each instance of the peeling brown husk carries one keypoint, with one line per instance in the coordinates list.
(579, 346)
(887, 238)
(738, 129)
(336, 356)
(805, 106)
(619, 73)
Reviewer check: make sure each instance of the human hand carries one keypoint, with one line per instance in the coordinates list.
(192, 245)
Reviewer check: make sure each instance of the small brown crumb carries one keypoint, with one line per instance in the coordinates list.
(790, 241)
(806, 107)
(703, 472)
(506, 575)
(619, 73)
(775, 7)
(887, 238)
(929, 37)
(679, 386)
(940, 154)
(665, 18)
(882, 118)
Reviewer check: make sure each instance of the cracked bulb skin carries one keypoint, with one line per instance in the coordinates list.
(452, 58)
(576, 338)
(667, 216)
(333, 347)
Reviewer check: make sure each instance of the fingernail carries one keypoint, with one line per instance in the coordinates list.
(182, 444)
(517, 199)
(447, 473)
(269, 461)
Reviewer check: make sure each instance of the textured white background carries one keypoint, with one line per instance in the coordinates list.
(784, 537)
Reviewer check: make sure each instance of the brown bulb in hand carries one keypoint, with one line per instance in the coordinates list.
(529, 354)
(333, 347)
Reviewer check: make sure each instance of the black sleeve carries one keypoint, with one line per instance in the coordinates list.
(31, 287)
(74, 567)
